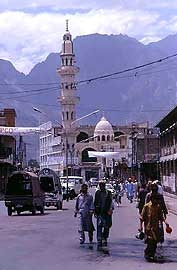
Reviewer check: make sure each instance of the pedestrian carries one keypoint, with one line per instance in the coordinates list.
(118, 186)
(135, 187)
(161, 202)
(160, 188)
(141, 197)
(104, 207)
(130, 190)
(84, 209)
(151, 216)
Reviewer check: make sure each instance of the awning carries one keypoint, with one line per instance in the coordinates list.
(103, 154)
(168, 157)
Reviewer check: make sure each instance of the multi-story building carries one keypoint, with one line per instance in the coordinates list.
(145, 153)
(168, 151)
(50, 147)
(7, 146)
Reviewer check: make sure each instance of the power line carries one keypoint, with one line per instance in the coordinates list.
(127, 70)
(31, 94)
(137, 74)
(31, 90)
(105, 75)
(26, 84)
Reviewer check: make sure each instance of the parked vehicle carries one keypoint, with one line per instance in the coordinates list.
(23, 193)
(109, 187)
(74, 185)
(50, 184)
(93, 182)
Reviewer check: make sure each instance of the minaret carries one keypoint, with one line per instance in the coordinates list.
(68, 98)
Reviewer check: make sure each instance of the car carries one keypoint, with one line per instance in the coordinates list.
(93, 182)
(109, 187)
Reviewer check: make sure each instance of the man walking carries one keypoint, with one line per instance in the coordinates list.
(103, 204)
(151, 216)
(161, 202)
(84, 208)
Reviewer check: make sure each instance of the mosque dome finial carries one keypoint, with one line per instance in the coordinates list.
(67, 25)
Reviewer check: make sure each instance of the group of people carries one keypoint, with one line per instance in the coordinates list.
(101, 206)
(152, 210)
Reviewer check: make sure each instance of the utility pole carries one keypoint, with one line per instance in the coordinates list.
(67, 184)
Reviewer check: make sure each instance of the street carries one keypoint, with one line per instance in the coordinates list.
(51, 241)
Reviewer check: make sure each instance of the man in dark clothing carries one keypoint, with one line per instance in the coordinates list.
(141, 197)
(103, 212)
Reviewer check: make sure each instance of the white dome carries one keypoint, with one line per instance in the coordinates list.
(103, 127)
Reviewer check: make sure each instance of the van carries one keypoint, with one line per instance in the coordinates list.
(23, 193)
(74, 185)
(51, 185)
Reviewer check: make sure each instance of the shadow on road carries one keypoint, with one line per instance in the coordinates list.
(130, 250)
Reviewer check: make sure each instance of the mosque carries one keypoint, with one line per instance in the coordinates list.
(98, 151)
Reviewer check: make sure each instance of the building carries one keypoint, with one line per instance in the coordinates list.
(168, 151)
(68, 98)
(68, 151)
(7, 146)
(51, 147)
(145, 153)
(112, 147)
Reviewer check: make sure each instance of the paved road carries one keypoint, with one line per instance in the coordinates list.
(50, 242)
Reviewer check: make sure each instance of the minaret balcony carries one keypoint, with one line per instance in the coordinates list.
(68, 70)
(69, 100)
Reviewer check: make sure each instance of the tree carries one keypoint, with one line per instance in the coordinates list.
(33, 163)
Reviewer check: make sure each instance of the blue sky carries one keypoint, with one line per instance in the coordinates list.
(31, 29)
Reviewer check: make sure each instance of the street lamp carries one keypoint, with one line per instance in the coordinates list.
(39, 122)
(43, 151)
(37, 110)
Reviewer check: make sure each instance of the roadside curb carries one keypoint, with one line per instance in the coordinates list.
(171, 202)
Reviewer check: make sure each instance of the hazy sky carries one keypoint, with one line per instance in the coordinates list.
(30, 30)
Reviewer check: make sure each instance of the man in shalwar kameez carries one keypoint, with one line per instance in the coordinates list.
(84, 209)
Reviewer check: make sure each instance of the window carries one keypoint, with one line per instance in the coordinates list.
(17, 185)
(103, 137)
(47, 183)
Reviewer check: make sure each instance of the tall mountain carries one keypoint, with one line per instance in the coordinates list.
(144, 94)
